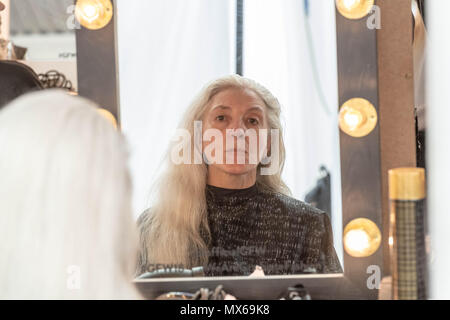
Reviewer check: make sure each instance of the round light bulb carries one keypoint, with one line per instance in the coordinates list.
(90, 12)
(357, 240)
(353, 119)
(354, 9)
(357, 117)
(361, 238)
(350, 4)
(94, 14)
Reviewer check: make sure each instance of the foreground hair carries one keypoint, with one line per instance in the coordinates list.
(66, 228)
(171, 230)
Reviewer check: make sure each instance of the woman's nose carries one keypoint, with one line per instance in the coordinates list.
(239, 132)
(238, 126)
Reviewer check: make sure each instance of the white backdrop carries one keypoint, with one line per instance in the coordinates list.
(169, 49)
(438, 146)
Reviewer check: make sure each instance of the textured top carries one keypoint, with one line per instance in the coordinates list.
(251, 227)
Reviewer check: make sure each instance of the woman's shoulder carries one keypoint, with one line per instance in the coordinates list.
(293, 207)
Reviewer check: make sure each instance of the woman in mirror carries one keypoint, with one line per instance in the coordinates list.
(66, 228)
(227, 208)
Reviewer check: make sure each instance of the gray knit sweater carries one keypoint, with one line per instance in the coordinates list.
(251, 227)
(254, 227)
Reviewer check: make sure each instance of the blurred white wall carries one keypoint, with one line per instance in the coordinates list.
(438, 145)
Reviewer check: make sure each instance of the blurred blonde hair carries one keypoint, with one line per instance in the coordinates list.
(171, 229)
(65, 211)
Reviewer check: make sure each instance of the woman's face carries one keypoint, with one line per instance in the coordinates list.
(233, 112)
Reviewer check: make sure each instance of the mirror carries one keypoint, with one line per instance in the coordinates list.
(210, 219)
(44, 39)
(289, 49)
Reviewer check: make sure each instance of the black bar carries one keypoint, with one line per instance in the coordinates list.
(239, 35)
(97, 66)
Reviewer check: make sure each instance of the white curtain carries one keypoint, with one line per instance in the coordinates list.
(167, 49)
(296, 60)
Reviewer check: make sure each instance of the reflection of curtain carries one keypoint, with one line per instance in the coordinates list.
(167, 51)
(278, 54)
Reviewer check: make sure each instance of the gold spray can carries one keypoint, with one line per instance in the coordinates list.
(407, 233)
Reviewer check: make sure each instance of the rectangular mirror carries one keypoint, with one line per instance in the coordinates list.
(44, 39)
(290, 49)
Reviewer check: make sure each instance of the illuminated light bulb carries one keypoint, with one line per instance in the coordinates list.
(391, 241)
(353, 118)
(94, 14)
(361, 238)
(358, 240)
(357, 117)
(108, 115)
(90, 12)
(350, 4)
(354, 9)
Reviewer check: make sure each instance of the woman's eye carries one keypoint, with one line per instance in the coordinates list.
(253, 121)
(220, 118)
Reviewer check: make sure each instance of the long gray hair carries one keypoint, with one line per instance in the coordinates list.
(66, 227)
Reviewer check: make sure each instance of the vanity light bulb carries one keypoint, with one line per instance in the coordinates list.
(353, 119)
(357, 240)
(361, 238)
(350, 4)
(354, 9)
(357, 117)
(90, 12)
(94, 14)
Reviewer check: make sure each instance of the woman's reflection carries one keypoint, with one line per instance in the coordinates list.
(225, 206)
